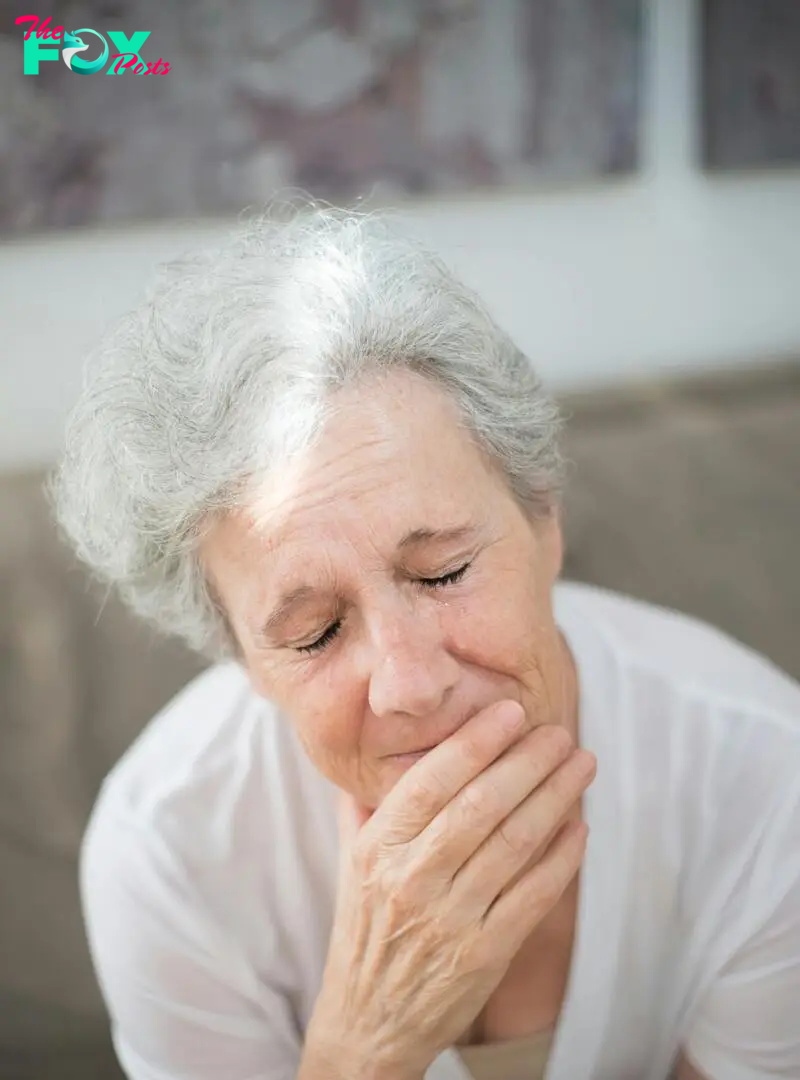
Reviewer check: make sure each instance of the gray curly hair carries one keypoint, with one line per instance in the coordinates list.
(229, 365)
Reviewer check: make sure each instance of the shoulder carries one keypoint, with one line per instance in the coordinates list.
(215, 790)
(195, 736)
(179, 872)
(677, 654)
(699, 734)
(700, 762)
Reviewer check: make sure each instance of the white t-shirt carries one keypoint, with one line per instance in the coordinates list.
(209, 869)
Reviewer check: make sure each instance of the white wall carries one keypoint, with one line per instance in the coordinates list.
(672, 269)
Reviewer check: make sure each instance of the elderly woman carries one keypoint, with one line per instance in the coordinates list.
(368, 842)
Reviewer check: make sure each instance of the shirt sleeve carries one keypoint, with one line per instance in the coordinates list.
(747, 1026)
(183, 1003)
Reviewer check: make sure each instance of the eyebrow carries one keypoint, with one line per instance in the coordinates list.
(423, 536)
(414, 538)
(285, 605)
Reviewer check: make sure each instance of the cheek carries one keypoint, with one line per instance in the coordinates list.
(322, 706)
(495, 625)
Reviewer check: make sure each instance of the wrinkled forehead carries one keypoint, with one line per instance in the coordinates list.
(361, 500)
(392, 445)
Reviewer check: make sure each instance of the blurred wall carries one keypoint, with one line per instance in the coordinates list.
(674, 269)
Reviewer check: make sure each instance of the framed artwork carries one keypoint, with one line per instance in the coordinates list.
(751, 83)
(212, 107)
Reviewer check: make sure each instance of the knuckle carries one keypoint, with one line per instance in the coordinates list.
(419, 798)
(479, 953)
(477, 801)
(565, 786)
(473, 752)
(514, 839)
(556, 739)
(439, 837)
(415, 894)
(381, 875)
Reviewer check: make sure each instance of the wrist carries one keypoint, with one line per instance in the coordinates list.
(339, 1059)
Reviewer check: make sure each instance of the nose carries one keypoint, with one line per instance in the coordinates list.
(412, 671)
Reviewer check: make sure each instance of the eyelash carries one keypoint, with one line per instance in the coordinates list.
(433, 583)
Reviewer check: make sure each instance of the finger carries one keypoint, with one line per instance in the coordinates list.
(479, 808)
(518, 910)
(428, 786)
(523, 837)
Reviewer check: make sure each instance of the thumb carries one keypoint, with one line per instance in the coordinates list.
(352, 817)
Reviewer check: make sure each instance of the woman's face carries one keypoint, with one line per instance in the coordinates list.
(388, 587)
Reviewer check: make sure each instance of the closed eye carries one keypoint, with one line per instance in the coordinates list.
(432, 583)
(321, 642)
(446, 579)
